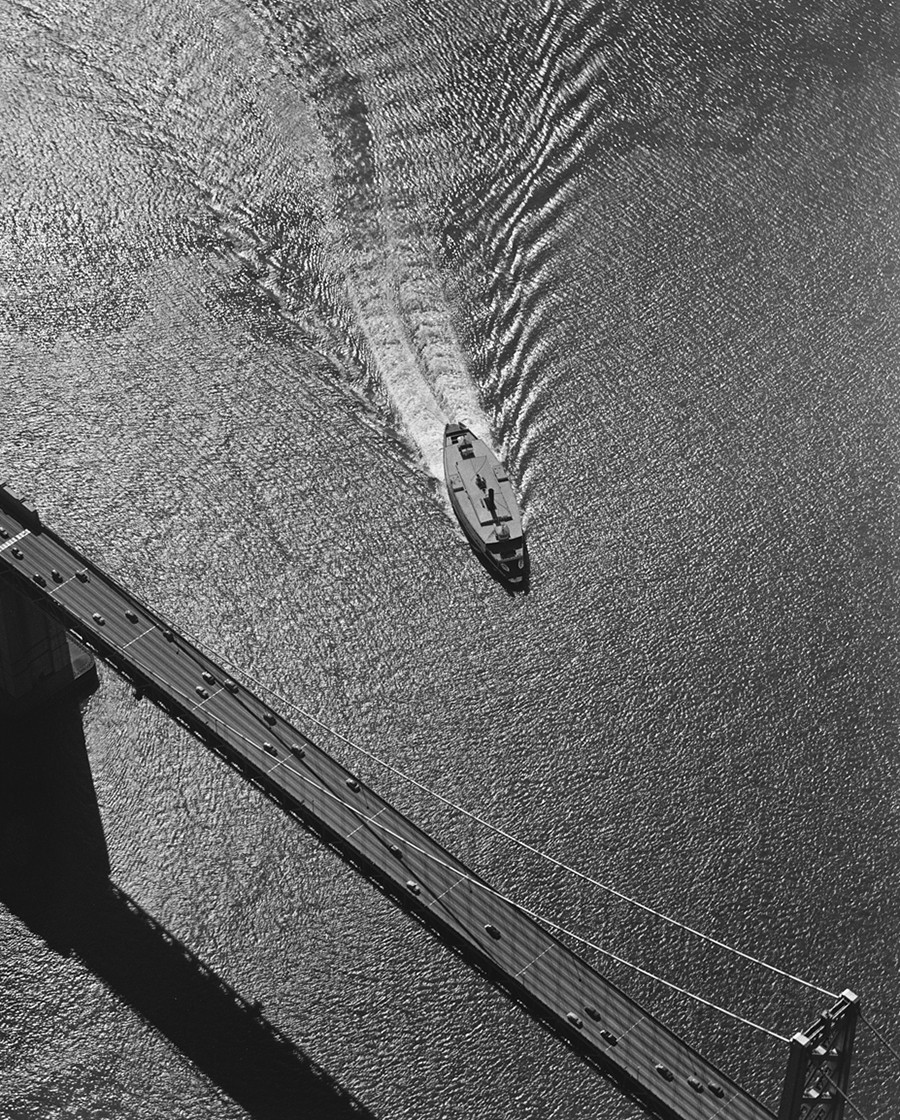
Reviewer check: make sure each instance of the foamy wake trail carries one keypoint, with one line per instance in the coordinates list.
(391, 279)
(416, 355)
(440, 357)
(410, 398)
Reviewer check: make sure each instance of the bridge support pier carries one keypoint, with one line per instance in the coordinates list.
(818, 1072)
(39, 663)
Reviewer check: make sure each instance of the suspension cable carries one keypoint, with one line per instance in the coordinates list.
(506, 835)
(496, 829)
(456, 870)
(878, 1034)
(838, 1089)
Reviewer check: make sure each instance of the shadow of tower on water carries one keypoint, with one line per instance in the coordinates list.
(55, 878)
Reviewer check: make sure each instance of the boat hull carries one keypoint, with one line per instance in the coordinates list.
(484, 502)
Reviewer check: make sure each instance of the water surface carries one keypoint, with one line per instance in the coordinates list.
(253, 256)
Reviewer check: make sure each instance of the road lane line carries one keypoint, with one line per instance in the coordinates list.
(438, 897)
(12, 540)
(138, 637)
(60, 586)
(632, 1027)
(531, 962)
(211, 696)
(368, 820)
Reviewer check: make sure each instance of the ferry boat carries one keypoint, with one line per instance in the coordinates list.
(485, 503)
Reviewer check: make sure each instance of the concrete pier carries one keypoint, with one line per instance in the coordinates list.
(39, 662)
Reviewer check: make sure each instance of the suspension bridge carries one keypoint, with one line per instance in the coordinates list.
(513, 946)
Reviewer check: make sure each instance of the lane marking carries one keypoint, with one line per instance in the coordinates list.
(138, 637)
(12, 540)
(633, 1026)
(211, 696)
(438, 897)
(60, 586)
(531, 962)
(363, 823)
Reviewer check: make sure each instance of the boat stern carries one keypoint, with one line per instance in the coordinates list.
(509, 559)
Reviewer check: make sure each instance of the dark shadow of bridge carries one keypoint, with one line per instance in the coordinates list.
(55, 879)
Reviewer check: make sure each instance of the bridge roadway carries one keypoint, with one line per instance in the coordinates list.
(595, 1017)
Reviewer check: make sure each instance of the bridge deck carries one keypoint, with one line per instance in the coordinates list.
(594, 1016)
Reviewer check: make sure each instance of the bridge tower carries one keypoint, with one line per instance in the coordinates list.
(38, 660)
(818, 1072)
